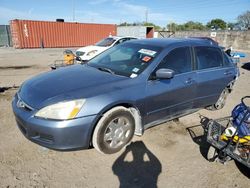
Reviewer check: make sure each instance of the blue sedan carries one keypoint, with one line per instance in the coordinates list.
(122, 92)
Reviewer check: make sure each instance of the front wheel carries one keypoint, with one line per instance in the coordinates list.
(114, 130)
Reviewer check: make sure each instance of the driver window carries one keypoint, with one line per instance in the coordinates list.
(178, 60)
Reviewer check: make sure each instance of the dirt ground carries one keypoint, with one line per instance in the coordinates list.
(165, 156)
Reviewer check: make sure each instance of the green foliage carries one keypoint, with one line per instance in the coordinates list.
(156, 27)
(190, 25)
(130, 24)
(217, 24)
(231, 25)
(243, 21)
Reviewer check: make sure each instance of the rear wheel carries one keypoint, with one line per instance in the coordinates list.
(114, 130)
(221, 101)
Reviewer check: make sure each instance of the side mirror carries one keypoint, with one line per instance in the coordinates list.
(164, 73)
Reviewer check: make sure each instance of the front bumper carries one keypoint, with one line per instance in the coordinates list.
(59, 135)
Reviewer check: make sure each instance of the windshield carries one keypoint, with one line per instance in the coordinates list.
(105, 42)
(128, 59)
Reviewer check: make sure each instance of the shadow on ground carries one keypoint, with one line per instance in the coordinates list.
(200, 139)
(16, 67)
(197, 134)
(137, 166)
(243, 169)
(246, 66)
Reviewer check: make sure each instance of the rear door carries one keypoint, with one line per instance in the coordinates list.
(212, 75)
(169, 97)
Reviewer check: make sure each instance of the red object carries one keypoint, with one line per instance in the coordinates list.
(146, 58)
(36, 34)
(150, 32)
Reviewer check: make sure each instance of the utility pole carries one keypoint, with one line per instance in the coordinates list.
(146, 16)
(73, 10)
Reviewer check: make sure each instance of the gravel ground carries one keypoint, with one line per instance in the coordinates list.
(165, 156)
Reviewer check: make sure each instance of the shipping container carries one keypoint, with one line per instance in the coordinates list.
(36, 34)
(136, 31)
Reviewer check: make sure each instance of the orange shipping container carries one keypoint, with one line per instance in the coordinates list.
(36, 34)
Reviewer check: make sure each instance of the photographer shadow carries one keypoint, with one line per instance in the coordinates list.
(246, 66)
(198, 136)
(137, 166)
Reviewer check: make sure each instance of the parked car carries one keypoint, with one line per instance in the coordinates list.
(88, 52)
(122, 92)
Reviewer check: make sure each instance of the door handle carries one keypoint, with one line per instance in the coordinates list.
(189, 81)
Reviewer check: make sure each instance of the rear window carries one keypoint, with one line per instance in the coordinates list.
(208, 57)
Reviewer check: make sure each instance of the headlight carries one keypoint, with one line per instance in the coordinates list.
(91, 53)
(61, 111)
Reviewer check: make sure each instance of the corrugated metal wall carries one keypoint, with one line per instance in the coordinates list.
(133, 31)
(5, 35)
(35, 34)
(136, 31)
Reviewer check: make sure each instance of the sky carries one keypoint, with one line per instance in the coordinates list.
(160, 12)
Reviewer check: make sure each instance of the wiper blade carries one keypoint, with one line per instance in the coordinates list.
(106, 70)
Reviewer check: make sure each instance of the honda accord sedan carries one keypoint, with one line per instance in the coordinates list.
(122, 92)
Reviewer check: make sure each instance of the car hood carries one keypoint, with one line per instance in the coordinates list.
(74, 82)
(90, 48)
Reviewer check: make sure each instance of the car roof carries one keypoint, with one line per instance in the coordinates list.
(164, 42)
(120, 37)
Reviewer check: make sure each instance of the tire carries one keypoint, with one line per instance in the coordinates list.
(211, 154)
(114, 130)
(220, 102)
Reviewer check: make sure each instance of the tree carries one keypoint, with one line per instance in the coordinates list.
(244, 19)
(232, 25)
(156, 27)
(172, 27)
(190, 25)
(194, 26)
(130, 24)
(217, 24)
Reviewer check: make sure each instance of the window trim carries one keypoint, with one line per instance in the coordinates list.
(224, 55)
(151, 76)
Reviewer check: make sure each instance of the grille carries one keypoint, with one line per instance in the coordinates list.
(46, 138)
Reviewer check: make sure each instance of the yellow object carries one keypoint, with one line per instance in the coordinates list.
(242, 140)
(73, 113)
(68, 57)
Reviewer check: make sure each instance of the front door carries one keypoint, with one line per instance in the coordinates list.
(170, 97)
